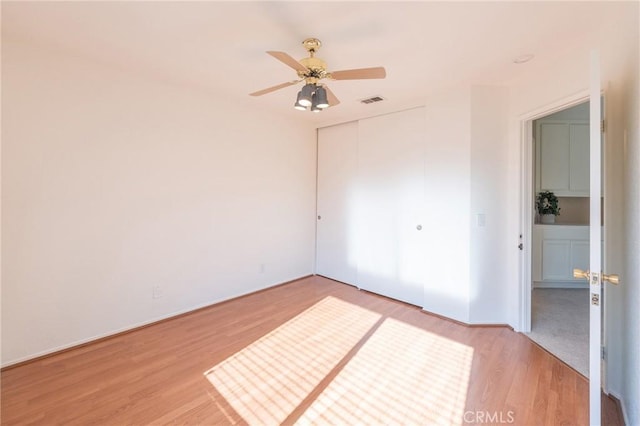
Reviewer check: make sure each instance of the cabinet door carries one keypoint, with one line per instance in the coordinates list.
(554, 157)
(579, 256)
(556, 260)
(536, 249)
(390, 205)
(579, 159)
(336, 256)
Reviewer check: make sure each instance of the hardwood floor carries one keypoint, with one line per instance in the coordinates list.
(310, 351)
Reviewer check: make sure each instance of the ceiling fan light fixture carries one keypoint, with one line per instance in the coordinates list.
(306, 94)
(321, 98)
(298, 105)
(314, 103)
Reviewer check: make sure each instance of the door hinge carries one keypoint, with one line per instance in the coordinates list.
(602, 127)
(603, 353)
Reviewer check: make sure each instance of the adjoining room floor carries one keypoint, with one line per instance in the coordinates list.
(560, 324)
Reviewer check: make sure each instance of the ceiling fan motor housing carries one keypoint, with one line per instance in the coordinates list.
(316, 69)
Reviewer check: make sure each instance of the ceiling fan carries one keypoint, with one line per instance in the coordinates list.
(312, 70)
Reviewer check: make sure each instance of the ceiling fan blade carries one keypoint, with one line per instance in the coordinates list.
(333, 100)
(288, 60)
(359, 74)
(273, 88)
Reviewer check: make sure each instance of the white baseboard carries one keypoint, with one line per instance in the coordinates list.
(559, 284)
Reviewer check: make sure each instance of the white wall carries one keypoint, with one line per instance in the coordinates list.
(630, 297)
(113, 183)
(489, 242)
(543, 85)
(466, 151)
(447, 199)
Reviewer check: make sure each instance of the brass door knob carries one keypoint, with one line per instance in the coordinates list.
(579, 273)
(613, 278)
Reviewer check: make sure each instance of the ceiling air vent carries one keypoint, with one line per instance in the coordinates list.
(372, 100)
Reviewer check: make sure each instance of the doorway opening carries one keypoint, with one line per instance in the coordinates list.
(560, 235)
(555, 158)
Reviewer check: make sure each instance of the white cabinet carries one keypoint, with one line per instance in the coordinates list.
(562, 151)
(556, 258)
(579, 159)
(553, 143)
(557, 250)
(579, 256)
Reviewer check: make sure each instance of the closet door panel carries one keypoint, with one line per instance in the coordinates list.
(336, 256)
(390, 205)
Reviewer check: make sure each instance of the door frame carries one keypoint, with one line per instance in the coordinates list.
(527, 155)
(527, 167)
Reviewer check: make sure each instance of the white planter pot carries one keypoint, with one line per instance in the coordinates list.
(548, 218)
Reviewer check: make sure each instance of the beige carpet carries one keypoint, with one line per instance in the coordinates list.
(560, 324)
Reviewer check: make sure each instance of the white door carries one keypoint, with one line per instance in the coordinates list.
(596, 276)
(336, 256)
(391, 242)
(595, 244)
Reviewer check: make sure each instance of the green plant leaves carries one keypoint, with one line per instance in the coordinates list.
(547, 203)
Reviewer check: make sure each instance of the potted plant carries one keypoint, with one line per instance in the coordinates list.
(547, 205)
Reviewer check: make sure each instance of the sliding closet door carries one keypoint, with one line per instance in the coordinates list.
(337, 163)
(390, 205)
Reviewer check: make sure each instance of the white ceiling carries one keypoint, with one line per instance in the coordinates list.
(219, 47)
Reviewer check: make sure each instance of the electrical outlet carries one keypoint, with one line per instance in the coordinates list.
(156, 292)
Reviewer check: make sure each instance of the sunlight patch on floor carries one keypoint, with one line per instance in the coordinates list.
(268, 379)
(402, 375)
